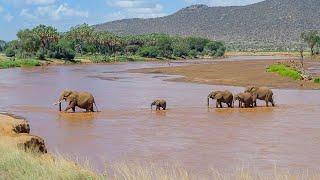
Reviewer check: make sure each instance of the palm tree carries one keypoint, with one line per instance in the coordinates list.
(47, 35)
(80, 34)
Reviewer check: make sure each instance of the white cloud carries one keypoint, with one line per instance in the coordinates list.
(26, 14)
(8, 17)
(54, 12)
(136, 9)
(40, 2)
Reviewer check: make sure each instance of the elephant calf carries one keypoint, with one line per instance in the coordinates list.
(83, 100)
(160, 103)
(221, 97)
(262, 93)
(244, 98)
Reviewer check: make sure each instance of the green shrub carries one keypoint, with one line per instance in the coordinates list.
(19, 63)
(215, 48)
(41, 55)
(193, 53)
(317, 80)
(284, 71)
(149, 51)
(180, 49)
(10, 52)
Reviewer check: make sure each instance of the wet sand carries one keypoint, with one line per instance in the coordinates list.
(187, 133)
(237, 73)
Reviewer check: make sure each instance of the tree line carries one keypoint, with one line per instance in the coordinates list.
(46, 42)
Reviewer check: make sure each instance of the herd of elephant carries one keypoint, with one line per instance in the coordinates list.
(247, 99)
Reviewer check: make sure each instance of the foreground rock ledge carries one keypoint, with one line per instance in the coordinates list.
(17, 130)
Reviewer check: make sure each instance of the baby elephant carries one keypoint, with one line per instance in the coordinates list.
(221, 97)
(160, 103)
(244, 98)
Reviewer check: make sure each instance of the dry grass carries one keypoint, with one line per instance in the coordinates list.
(136, 171)
(17, 164)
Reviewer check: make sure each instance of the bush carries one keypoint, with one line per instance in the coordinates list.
(193, 54)
(132, 49)
(317, 80)
(284, 71)
(149, 51)
(41, 55)
(197, 43)
(215, 48)
(180, 49)
(62, 50)
(10, 52)
(19, 63)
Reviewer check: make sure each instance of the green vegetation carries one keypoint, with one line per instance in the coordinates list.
(17, 164)
(317, 80)
(18, 63)
(45, 42)
(284, 70)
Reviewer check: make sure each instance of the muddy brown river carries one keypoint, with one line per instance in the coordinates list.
(287, 136)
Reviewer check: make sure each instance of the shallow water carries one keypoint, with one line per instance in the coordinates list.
(287, 136)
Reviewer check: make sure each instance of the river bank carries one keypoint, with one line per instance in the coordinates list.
(237, 73)
(24, 156)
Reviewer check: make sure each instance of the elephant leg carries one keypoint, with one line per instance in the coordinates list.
(74, 109)
(217, 104)
(90, 108)
(158, 108)
(72, 105)
(267, 103)
(220, 105)
(272, 102)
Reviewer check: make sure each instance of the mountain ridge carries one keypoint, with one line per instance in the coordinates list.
(270, 22)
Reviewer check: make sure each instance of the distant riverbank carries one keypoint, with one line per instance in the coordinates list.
(240, 72)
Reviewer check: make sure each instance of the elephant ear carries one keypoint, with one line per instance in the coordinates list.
(218, 96)
(72, 97)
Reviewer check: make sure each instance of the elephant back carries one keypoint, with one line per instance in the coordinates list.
(85, 99)
(227, 96)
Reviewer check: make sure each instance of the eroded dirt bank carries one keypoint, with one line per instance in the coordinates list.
(236, 73)
(17, 132)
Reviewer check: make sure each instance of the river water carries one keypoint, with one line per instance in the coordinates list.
(286, 136)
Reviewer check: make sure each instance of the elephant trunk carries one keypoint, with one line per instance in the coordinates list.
(208, 101)
(60, 107)
(151, 106)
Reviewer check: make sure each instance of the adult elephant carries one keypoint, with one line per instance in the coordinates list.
(262, 93)
(221, 97)
(83, 100)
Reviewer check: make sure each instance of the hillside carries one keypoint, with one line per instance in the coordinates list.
(277, 22)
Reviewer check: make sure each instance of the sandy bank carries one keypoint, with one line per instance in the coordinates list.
(16, 131)
(235, 73)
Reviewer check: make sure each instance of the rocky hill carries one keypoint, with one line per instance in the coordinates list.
(268, 22)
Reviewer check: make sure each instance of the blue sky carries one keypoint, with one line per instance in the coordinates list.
(63, 14)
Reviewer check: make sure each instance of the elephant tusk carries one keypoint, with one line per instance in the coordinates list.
(57, 103)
